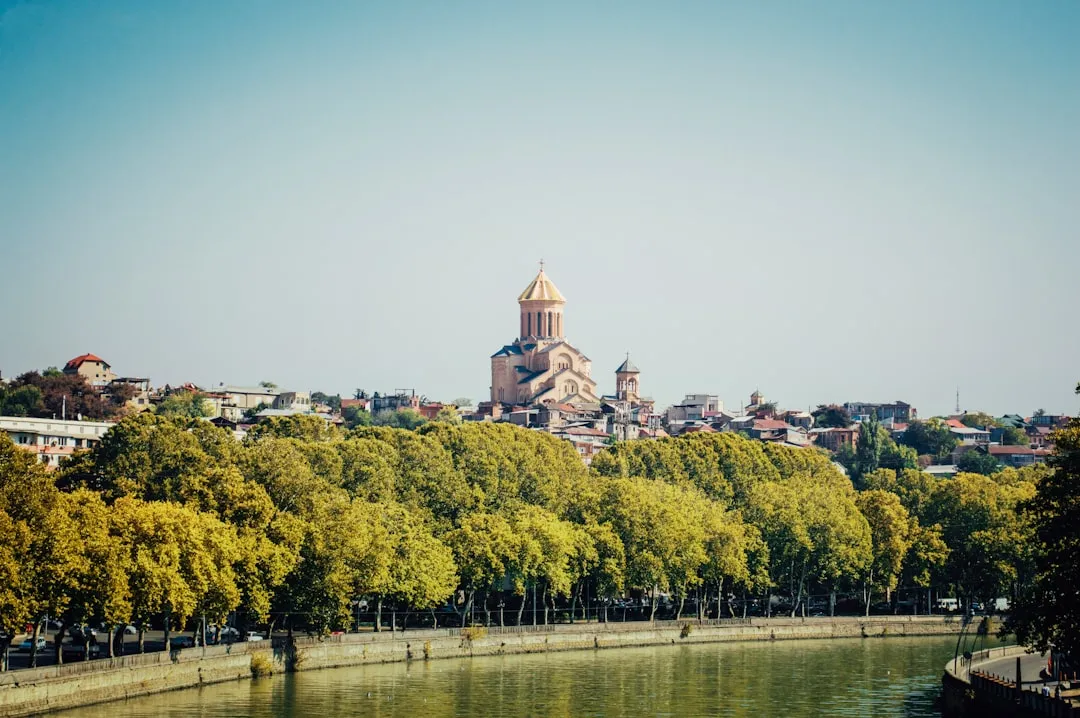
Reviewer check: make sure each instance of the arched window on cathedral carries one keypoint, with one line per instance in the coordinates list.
(529, 321)
(569, 388)
(539, 324)
(633, 385)
(551, 326)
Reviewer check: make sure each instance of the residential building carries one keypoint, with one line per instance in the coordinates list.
(364, 403)
(897, 411)
(400, 399)
(798, 419)
(91, 367)
(53, 439)
(1017, 456)
(694, 407)
(833, 438)
(140, 400)
(297, 401)
(1051, 421)
(967, 435)
(235, 400)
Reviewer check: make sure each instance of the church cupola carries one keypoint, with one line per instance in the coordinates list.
(541, 309)
(627, 386)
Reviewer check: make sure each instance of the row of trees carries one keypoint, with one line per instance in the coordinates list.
(52, 393)
(169, 518)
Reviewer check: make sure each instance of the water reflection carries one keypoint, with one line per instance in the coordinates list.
(878, 677)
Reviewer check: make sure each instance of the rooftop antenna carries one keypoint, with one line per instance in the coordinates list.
(957, 400)
(541, 264)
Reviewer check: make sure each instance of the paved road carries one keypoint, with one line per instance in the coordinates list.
(1030, 665)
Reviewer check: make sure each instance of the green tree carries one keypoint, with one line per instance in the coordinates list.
(185, 404)
(307, 427)
(977, 462)
(1014, 436)
(399, 419)
(485, 549)
(448, 414)
(62, 395)
(662, 527)
(355, 416)
(21, 401)
(831, 415)
(890, 540)
(978, 420)
(1047, 612)
(931, 437)
(989, 540)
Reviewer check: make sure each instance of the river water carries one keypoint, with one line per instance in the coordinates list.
(841, 677)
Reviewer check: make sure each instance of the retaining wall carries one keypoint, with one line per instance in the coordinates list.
(33, 691)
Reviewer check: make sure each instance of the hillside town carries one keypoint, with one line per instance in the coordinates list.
(538, 381)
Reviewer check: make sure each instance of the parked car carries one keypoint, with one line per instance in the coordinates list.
(254, 636)
(29, 643)
(131, 630)
(181, 642)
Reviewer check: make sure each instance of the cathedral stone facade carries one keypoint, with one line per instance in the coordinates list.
(540, 366)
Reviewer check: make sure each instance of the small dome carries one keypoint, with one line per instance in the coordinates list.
(541, 289)
(627, 367)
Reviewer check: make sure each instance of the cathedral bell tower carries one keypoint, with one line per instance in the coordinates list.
(627, 386)
(541, 309)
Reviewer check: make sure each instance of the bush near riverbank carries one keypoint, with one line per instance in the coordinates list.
(170, 520)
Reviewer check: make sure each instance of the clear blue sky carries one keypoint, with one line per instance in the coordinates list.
(830, 201)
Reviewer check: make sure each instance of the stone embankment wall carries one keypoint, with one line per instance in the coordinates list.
(33, 691)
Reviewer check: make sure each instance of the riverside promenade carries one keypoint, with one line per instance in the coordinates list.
(1006, 682)
(34, 691)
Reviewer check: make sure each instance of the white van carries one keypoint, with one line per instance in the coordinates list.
(948, 604)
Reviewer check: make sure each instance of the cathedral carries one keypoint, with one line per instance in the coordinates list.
(540, 367)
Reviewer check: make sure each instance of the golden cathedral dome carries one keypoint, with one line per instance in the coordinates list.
(541, 289)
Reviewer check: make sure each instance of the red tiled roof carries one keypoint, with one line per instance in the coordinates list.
(996, 450)
(702, 428)
(899, 427)
(956, 424)
(78, 361)
(767, 424)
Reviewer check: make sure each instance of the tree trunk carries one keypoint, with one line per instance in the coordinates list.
(678, 611)
(521, 606)
(378, 614)
(868, 591)
(543, 600)
(468, 606)
(487, 610)
(652, 605)
(434, 618)
(58, 646)
(832, 602)
(142, 637)
(167, 646)
(33, 644)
